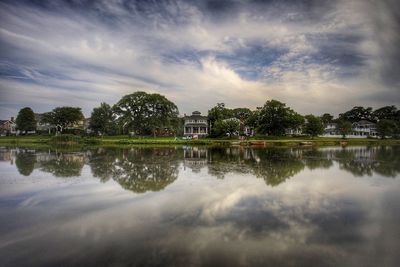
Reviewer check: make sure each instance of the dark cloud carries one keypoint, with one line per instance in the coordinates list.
(273, 49)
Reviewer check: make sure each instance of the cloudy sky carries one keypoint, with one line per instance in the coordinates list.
(315, 55)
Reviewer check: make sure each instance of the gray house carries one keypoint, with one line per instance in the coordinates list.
(196, 125)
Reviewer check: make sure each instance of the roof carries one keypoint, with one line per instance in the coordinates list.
(196, 115)
(364, 122)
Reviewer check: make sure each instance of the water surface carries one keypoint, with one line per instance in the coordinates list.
(194, 206)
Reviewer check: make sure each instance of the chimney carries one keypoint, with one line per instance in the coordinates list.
(12, 118)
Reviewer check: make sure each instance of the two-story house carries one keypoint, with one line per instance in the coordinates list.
(196, 125)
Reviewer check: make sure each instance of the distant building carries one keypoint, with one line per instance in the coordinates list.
(42, 126)
(8, 127)
(86, 125)
(360, 129)
(196, 125)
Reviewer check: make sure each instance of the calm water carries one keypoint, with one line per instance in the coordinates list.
(188, 206)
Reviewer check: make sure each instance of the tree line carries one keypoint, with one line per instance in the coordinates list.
(144, 114)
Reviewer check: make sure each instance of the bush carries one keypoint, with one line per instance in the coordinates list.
(66, 138)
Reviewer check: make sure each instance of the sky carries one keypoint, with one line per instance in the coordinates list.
(316, 56)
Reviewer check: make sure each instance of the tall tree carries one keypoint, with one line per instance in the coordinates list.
(385, 113)
(326, 118)
(313, 126)
(26, 120)
(218, 113)
(145, 113)
(357, 113)
(63, 117)
(103, 120)
(275, 118)
(386, 128)
(344, 127)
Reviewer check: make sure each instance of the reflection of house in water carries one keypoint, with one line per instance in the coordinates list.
(195, 158)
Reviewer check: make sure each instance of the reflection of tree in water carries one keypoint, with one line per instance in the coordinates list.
(277, 165)
(367, 160)
(63, 164)
(137, 169)
(25, 162)
(315, 159)
(101, 162)
(223, 160)
(273, 165)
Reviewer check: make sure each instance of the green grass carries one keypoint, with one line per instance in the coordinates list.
(126, 140)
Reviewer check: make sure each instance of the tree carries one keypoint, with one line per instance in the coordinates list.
(326, 118)
(102, 120)
(275, 118)
(357, 114)
(145, 113)
(387, 112)
(231, 126)
(386, 128)
(216, 115)
(313, 126)
(26, 120)
(25, 162)
(63, 117)
(344, 127)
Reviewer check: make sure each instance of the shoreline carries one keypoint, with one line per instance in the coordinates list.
(126, 141)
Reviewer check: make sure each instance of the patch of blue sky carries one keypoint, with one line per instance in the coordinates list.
(250, 61)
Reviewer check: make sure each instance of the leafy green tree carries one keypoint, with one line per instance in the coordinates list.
(145, 113)
(103, 120)
(216, 115)
(356, 114)
(313, 126)
(344, 127)
(231, 126)
(326, 118)
(274, 118)
(63, 117)
(386, 128)
(26, 120)
(25, 162)
(387, 113)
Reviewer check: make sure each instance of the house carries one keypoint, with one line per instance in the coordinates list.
(8, 127)
(364, 128)
(86, 125)
(360, 129)
(330, 129)
(196, 125)
(42, 126)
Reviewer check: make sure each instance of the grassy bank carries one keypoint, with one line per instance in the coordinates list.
(125, 140)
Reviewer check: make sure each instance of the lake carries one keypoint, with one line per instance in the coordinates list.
(198, 206)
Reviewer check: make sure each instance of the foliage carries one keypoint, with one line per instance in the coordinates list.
(344, 127)
(26, 120)
(144, 113)
(63, 117)
(386, 128)
(226, 127)
(356, 114)
(313, 126)
(326, 118)
(275, 118)
(387, 113)
(66, 138)
(25, 162)
(102, 120)
(219, 115)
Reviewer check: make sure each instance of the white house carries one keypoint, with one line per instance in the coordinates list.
(360, 129)
(196, 125)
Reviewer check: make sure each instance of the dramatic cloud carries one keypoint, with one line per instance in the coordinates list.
(317, 56)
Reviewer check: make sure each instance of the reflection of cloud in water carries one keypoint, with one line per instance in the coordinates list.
(323, 217)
